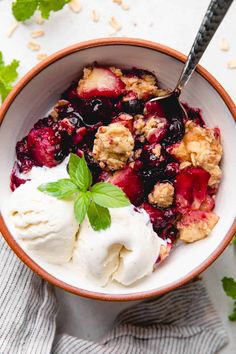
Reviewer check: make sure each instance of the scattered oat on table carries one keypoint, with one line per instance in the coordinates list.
(115, 24)
(231, 64)
(224, 45)
(12, 29)
(41, 56)
(75, 6)
(33, 46)
(95, 16)
(37, 33)
(39, 20)
(120, 3)
(125, 7)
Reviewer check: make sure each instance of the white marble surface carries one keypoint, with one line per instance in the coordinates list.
(173, 23)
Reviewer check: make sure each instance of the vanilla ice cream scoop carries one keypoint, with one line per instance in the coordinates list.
(45, 225)
(125, 252)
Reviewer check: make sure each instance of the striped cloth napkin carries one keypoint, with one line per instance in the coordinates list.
(181, 322)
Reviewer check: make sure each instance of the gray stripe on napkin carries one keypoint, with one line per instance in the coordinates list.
(181, 322)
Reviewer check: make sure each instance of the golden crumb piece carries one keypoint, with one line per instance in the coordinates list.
(75, 6)
(113, 146)
(196, 225)
(144, 86)
(118, 2)
(201, 147)
(231, 64)
(162, 195)
(139, 124)
(95, 16)
(164, 251)
(41, 56)
(115, 24)
(152, 124)
(224, 45)
(12, 29)
(184, 164)
(116, 71)
(37, 33)
(33, 46)
(157, 150)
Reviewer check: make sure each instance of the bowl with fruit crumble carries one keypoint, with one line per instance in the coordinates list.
(108, 194)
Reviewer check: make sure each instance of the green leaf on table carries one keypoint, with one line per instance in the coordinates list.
(229, 286)
(8, 74)
(232, 316)
(234, 240)
(61, 189)
(24, 9)
(99, 217)
(109, 196)
(79, 172)
(81, 206)
(46, 6)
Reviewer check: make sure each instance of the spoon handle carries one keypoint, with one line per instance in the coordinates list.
(211, 21)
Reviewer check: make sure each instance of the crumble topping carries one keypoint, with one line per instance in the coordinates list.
(152, 123)
(162, 195)
(116, 71)
(139, 124)
(113, 146)
(196, 225)
(143, 87)
(157, 150)
(201, 147)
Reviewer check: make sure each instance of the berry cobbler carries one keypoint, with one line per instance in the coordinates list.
(166, 164)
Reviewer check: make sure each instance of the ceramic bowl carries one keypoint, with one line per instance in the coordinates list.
(36, 93)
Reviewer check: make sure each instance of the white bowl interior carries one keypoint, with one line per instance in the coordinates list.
(43, 91)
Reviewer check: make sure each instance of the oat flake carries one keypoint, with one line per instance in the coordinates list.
(37, 33)
(12, 29)
(75, 6)
(33, 46)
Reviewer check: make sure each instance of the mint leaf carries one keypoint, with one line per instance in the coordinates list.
(232, 316)
(1, 60)
(46, 6)
(61, 189)
(109, 196)
(81, 206)
(234, 240)
(24, 9)
(99, 217)
(229, 286)
(8, 74)
(79, 172)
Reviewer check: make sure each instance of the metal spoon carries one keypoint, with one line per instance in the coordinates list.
(211, 21)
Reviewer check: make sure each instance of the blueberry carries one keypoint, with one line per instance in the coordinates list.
(94, 110)
(175, 132)
(134, 106)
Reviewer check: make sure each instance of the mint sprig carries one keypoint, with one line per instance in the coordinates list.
(92, 200)
(229, 285)
(8, 74)
(24, 9)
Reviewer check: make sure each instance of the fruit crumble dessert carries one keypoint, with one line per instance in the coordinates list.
(168, 167)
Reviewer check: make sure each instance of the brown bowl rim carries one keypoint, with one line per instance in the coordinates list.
(19, 251)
